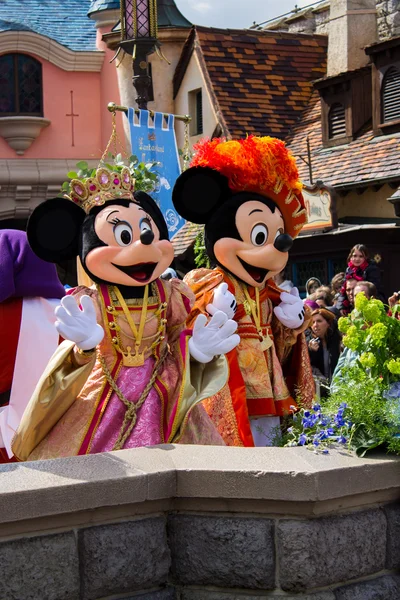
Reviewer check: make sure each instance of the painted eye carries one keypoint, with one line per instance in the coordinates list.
(259, 235)
(145, 225)
(279, 232)
(123, 234)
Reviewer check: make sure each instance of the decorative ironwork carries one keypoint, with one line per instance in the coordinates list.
(20, 85)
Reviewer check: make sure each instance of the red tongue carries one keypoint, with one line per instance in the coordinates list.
(255, 274)
(140, 275)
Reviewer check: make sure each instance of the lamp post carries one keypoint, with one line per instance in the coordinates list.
(139, 39)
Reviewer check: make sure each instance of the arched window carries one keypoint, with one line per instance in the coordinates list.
(391, 95)
(20, 86)
(337, 121)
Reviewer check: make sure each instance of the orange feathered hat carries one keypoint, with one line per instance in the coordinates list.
(262, 165)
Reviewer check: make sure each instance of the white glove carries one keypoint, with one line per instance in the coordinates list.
(213, 338)
(224, 301)
(290, 311)
(76, 325)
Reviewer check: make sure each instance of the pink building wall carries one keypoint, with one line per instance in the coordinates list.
(91, 93)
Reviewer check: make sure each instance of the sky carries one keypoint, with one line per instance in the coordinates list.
(235, 14)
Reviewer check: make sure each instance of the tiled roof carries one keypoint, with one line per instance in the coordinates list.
(100, 5)
(365, 160)
(260, 81)
(65, 22)
(185, 237)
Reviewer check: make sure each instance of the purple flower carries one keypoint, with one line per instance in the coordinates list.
(302, 439)
(316, 407)
(325, 451)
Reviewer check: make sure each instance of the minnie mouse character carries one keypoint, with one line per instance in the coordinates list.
(248, 195)
(124, 377)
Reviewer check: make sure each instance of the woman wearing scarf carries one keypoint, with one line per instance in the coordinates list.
(361, 268)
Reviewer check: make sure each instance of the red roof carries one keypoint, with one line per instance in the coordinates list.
(259, 81)
(365, 160)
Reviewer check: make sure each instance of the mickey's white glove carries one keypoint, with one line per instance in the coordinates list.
(76, 325)
(290, 311)
(224, 301)
(213, 338)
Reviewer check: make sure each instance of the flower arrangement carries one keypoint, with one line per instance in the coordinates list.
(146, 178)
(363, 409)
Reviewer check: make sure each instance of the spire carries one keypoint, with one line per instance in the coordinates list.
(167, 12)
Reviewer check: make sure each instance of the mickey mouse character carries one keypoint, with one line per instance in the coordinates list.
(248, 195)
(123, 378)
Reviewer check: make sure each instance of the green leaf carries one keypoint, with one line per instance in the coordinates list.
(72, 175)
(65, 186)
(82, 164)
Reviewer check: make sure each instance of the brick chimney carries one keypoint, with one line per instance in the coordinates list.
(352, 26)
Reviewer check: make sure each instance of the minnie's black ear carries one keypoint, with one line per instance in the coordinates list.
(153, 210)
(198, 192)
(53, 229)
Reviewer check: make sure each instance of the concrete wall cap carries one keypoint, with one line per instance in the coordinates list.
(51, 487)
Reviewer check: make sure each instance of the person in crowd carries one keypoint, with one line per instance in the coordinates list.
(311, 302)
(283, 282)
(312, 285)
(323, 296)
(348, 356)
(393, 301)
(336, 285)
(323, 340)
(345, 303)
(361, 268)
(367, 287)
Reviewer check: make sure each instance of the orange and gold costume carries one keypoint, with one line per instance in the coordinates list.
(261, 383)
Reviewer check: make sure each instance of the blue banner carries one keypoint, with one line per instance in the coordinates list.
(153, 139)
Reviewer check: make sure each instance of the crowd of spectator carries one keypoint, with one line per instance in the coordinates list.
(328, 303)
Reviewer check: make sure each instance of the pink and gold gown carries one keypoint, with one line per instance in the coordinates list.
(74, 409)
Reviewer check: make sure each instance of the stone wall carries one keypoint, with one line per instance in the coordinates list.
(388, 19)
(201, 523)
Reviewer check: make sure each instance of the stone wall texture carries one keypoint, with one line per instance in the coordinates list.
(349, 556)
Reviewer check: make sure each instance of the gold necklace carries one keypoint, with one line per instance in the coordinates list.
(254, 308)
(137, 359)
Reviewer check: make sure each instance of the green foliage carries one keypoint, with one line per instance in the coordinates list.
(200, 255)
(146, 177)
(364, 406)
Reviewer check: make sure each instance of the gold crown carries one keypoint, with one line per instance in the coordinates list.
(104, 186)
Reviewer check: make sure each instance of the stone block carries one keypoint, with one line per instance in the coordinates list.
(213, 595)
(222, 551)
(383, 588)
(329, 550)
(393, 536)
(124, 557)
(40, 568)
(167, 594)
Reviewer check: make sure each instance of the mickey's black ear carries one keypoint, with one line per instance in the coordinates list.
(53, 229)
(151, 207)
(198, 192)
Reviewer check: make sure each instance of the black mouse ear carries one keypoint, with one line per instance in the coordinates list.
(150, 206)
(53, 229)
(198, 192)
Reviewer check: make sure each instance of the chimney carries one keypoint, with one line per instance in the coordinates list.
(352, 26)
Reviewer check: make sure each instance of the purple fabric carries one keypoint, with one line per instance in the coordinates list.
(313, 305)
(22, 273)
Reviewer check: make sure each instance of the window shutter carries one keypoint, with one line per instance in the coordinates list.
(391, 95)
(337, 121)
(199, 112)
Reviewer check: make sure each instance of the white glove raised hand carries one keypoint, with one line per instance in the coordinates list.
(76, 325)
(224, 301)
(213, 338)
(290, 311)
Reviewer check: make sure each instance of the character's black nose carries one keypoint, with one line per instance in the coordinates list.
(283, 242)
(147, 237)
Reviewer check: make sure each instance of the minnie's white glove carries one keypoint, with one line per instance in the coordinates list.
(76, 325)
(224, 301)
(290, 311)
(213, 338)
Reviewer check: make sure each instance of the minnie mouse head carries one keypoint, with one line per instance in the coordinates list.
(247, 193)
(119, 234)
